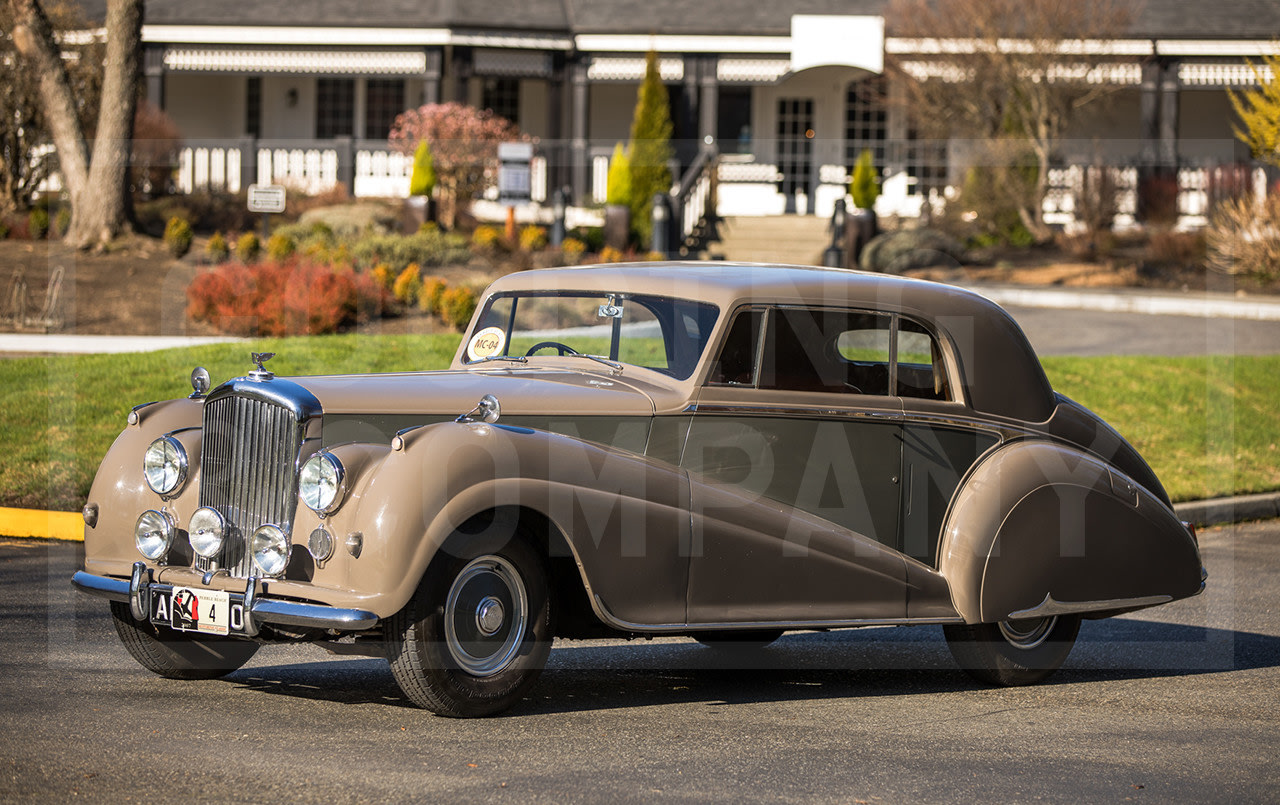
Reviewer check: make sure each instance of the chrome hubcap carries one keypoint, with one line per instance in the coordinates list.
(1027, 633)
(489, 616)
(486, 616)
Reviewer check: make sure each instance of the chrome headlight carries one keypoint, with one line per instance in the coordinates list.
(206, 532)
(165, 465)
(270, 548)
(153, 534)
(320, 483)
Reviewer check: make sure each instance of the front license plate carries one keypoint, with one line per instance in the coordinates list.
(190, 610)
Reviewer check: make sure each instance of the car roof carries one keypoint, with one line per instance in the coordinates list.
(999, 370)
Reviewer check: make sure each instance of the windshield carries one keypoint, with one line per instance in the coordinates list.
(653, 332)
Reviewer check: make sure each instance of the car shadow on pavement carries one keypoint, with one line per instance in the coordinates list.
(595, 675)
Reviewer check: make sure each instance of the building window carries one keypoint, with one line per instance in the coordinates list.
(502, 97)
(253, 106)
(865, 121)
(384, 99)
(335, 107)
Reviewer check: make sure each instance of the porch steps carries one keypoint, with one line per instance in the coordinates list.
(798, 239)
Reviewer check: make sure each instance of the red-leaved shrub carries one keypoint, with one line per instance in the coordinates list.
(294, 297)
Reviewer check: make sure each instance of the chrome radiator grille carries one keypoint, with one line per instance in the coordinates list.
(248, 472)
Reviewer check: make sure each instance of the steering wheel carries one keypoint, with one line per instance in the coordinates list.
(563, 349)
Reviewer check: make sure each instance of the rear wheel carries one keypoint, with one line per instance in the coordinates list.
(1013, 652)
(476, 634)
(178, 655)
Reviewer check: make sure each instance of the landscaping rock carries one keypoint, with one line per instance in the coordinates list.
(896, 252)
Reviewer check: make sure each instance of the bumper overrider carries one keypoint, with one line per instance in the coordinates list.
(246, 612)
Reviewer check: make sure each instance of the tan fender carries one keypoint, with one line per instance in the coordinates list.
(625, 516)
(1040, 528)
(121, 493)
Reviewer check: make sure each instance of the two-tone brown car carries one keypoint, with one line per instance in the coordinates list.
(715, 450)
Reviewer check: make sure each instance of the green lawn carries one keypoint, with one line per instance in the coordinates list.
(1209, 426)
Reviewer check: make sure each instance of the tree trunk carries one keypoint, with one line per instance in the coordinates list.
(98, 189)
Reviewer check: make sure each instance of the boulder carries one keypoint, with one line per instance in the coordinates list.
(896, 252)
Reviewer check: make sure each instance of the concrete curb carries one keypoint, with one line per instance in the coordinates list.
(1237, 509)
(69, 526)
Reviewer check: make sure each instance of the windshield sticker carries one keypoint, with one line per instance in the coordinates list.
(486, 343)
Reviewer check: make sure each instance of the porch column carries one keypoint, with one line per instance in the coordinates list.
(153, 71)
(1170, 87)
(708, 104)
(459, 74)
(1149, 107)
(431, 76)
(579, 157)
(557, 155)
(688, 111)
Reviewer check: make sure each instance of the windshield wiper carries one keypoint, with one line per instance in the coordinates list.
(515, 358)
(614, 365)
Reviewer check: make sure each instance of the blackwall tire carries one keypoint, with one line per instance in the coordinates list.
(179, 655)
(476, 634)
(1012, 653)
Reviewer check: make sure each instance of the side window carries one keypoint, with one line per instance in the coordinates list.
(737, 361)
(921, 372)
(833, 351)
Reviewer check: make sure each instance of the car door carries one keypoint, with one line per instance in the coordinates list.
(794, 455)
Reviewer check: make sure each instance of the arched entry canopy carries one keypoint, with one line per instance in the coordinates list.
(819, 40)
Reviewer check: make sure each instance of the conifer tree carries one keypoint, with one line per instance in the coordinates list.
(650, 149)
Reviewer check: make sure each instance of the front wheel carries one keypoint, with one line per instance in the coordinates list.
(1013, 652)
(476, 634)
(179, 655)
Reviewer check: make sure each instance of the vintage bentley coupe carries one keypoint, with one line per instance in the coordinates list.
(715, 450)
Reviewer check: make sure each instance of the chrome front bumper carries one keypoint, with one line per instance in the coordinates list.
(136, 592)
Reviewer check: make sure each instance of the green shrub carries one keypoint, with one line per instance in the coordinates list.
(572, 249)
(430, 248)
(38, 223)
(533, 238)
(217, 250)
(62, 221)
(432, 293)
(178, 236)
(280, 247)
(248, 247)
(457, 304)
(423, 179)
(408, 284)
(487, 238)
(865, 184)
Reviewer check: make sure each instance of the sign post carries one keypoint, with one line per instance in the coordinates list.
(266, 199)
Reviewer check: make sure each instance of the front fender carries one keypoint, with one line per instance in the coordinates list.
(1040, 528)
(624, 516)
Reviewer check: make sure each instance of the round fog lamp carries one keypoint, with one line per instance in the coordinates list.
(270, 548)
(320, 482)
(320, 543)
(153, 534)
(206, 532)
(165, 465)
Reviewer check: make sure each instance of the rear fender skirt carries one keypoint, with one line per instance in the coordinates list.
(1040, 528)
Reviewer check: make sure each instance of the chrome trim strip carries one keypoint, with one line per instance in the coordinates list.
(102, 586)
(1049, 606)
(680, 628)
(777, 410)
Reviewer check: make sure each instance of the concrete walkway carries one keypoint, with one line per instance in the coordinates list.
(1133, 300)
(65, 343)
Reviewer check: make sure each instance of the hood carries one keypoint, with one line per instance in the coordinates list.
(453, 392)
